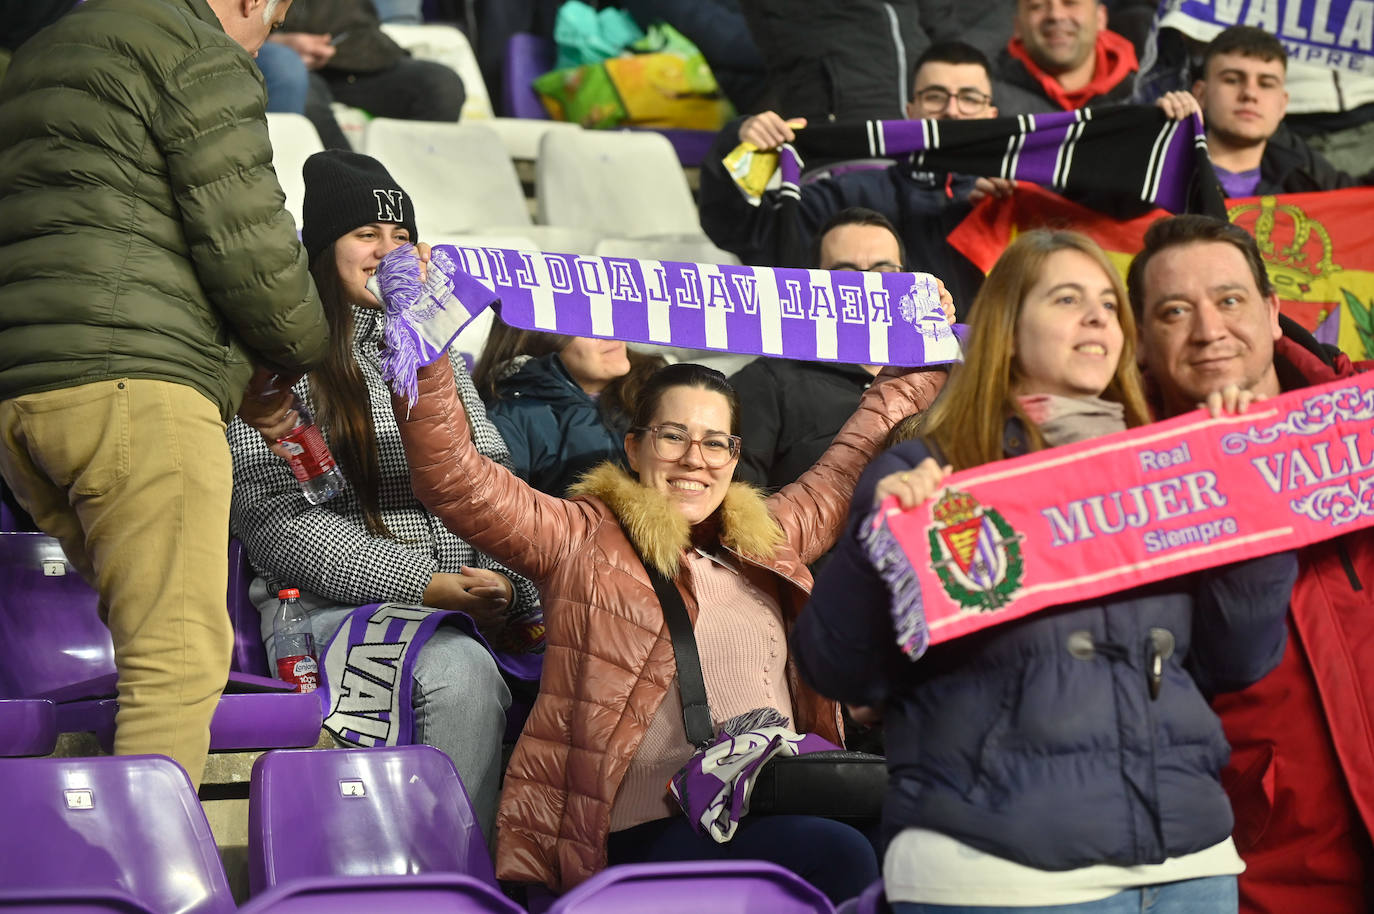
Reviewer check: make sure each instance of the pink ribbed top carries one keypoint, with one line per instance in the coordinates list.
(743, 648)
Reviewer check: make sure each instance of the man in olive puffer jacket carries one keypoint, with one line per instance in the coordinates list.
(146, 265)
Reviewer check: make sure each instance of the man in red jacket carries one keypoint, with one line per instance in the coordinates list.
(1301, 775)
(1062, 57)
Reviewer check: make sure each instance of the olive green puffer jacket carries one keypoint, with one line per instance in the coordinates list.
(142, 229)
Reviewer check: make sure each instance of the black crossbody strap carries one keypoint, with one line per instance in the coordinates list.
(696, 713)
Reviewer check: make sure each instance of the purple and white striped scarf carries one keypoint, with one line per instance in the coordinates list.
(1127, 152)
(819, 315)
(1119, 159)
(713, 788)
(367, 671)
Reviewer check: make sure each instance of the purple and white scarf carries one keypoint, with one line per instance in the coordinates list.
(367, 671)
(1153, 160)
(1118, 159)
(713, 788)
(818, 315)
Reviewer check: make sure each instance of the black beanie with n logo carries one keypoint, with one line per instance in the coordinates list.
(344, 190)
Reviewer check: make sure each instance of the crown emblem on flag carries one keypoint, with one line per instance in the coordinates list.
(954, 508)
(1296, 248)
(975, 552)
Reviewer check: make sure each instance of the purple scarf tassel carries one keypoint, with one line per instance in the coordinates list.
(399, 281)
(892, 565)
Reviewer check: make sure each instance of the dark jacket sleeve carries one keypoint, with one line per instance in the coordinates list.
(760, 419)
(728, 219)
(716, 27)
(1239, 621)
(1291, 166)
(844, 643)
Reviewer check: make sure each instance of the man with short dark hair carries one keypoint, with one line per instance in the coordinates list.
(951, 82)
(793, 408)
(1062, 57)
(1301, 774)
(1242, 93)
(146, 264)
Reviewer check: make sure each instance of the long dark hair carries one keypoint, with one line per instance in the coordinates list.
(505, 343)
(339, 397)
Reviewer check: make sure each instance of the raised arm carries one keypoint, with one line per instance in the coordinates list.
(812, 510)
(481, 501)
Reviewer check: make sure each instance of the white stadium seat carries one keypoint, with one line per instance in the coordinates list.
(293, 141)
(463, 182)
(616, 183)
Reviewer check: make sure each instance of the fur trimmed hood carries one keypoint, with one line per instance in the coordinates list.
(660, 532)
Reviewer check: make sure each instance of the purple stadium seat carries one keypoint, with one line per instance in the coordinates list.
(249, 654)
(28, 726)
(53, 646)
(870, 901)
(360, 812)
(71, 901)
(421, 893)
(131, 823)
(721, 887)
(527, 58)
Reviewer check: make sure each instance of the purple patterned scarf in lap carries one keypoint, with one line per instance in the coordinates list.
(367, 670)
(818, 315)
(713, 788)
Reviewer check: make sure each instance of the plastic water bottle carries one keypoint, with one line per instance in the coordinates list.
(310, 459)
(295, 643)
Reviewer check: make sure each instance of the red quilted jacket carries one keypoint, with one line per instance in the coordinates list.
(1301, 776)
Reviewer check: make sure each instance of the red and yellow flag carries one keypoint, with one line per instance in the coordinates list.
(1319, 249)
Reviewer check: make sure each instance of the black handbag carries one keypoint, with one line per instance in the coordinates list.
(835, 784)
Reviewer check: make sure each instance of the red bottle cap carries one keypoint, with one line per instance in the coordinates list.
(289, 593)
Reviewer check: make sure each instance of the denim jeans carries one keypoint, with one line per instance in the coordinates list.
(286, 76)
(1210, 895)
(460, 703)
(410, 11)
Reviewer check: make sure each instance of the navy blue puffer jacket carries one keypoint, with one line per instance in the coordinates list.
(555, 430)
(1038, 740)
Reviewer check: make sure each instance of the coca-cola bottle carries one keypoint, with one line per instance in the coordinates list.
(294, 643)
(309, 457)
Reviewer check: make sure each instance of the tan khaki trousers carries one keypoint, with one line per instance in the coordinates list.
(134, 478)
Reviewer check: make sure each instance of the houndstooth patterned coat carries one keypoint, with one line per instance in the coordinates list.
(326, 550)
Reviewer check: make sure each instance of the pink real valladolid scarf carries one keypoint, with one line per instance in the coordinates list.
(1004, 540)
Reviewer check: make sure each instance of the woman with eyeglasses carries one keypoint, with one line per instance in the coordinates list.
(587, 784)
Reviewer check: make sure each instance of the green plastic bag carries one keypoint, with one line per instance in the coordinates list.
(666, 83)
